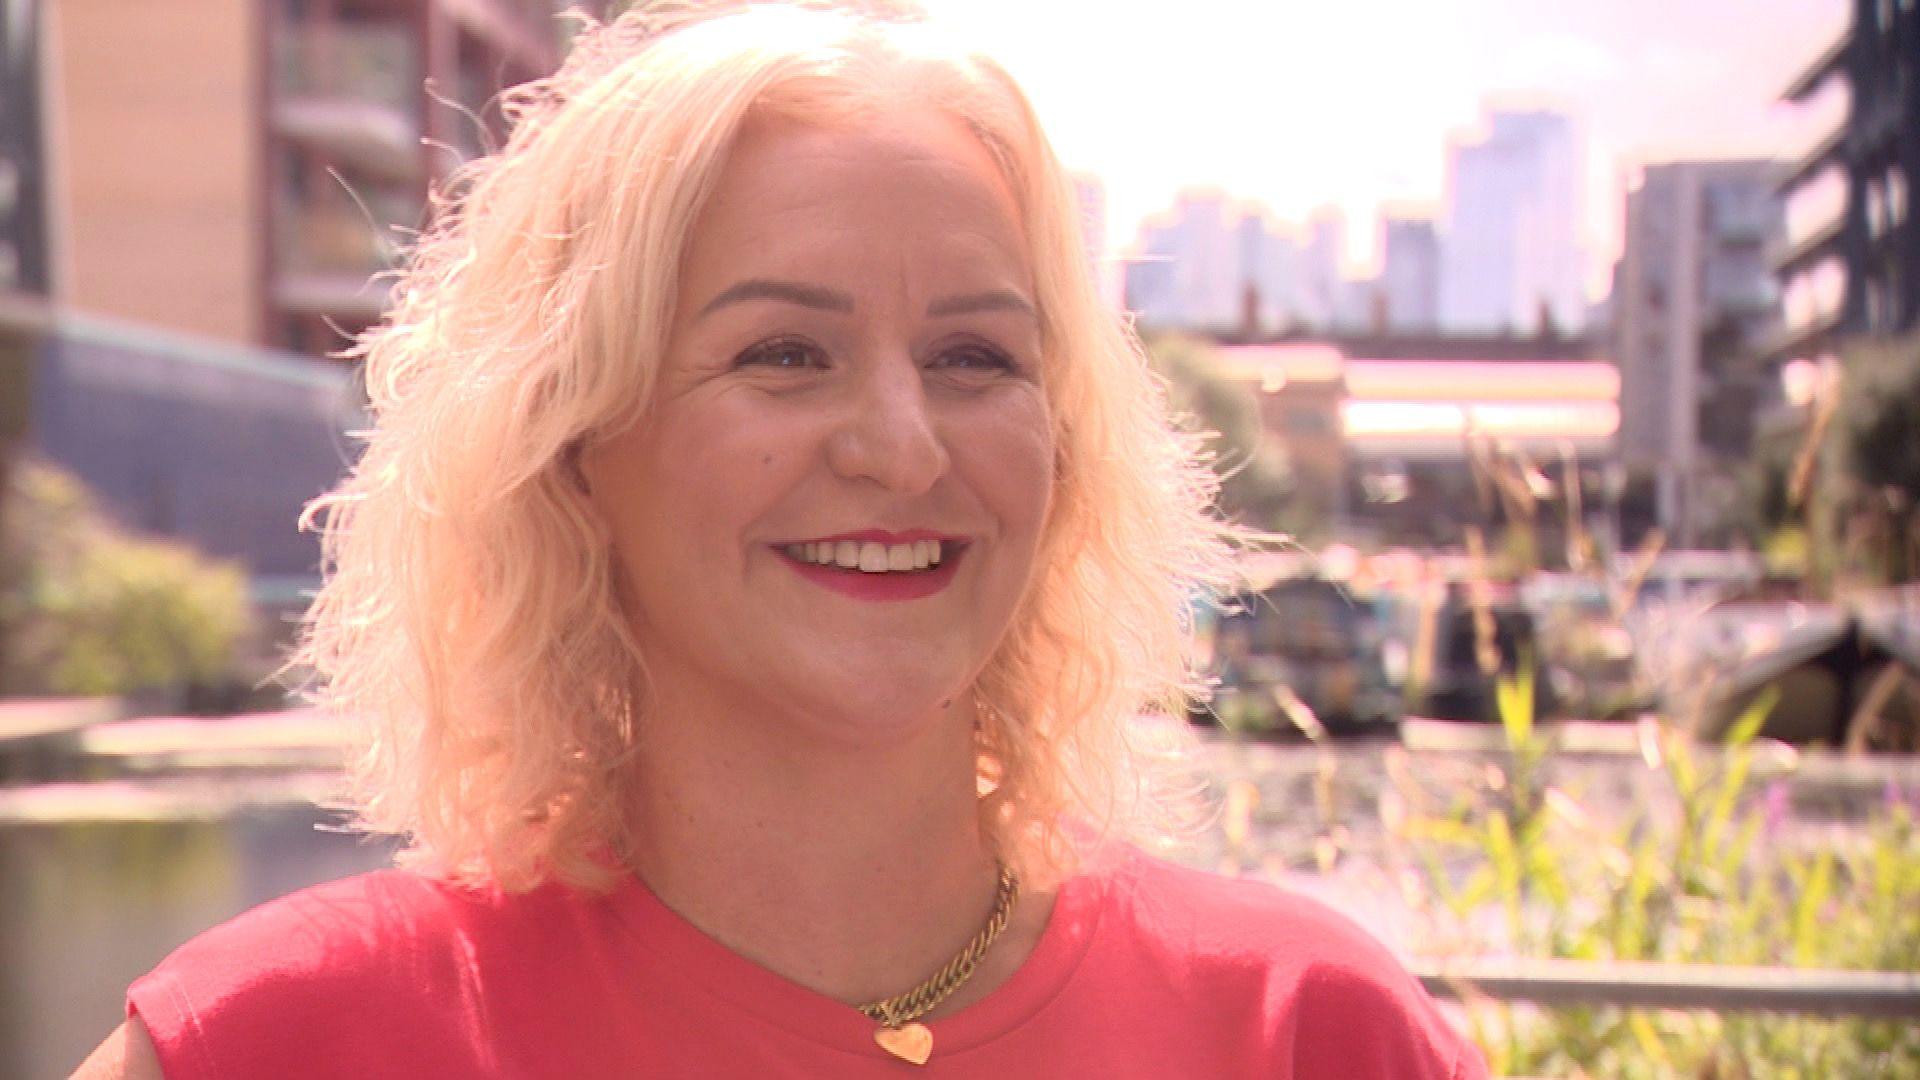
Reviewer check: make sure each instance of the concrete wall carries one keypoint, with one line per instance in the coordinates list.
(213, 445)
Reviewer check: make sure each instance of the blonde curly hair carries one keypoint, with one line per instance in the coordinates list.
(468, 616)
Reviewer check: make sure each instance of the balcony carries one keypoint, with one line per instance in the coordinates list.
(524, 35)
(1829, 63)
(330, 251)
(351, 92)
(1829, 151)
(1804, 255)
(1806, 339)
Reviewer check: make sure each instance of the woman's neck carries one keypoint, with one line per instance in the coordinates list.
(855, 870)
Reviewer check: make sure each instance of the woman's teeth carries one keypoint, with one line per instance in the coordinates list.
(870, 558)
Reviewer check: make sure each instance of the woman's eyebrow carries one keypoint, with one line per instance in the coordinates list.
(974, 303)
(791, 292)
(824, 299)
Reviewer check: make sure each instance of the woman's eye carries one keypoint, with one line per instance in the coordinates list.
(976, 358)
(788, 355)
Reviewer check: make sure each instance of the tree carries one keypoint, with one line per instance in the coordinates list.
(1875, 451)
(1255, 484)
(1845, 482)
(87, 609)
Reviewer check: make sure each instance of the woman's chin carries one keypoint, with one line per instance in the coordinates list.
(882, 715)
(872, 684)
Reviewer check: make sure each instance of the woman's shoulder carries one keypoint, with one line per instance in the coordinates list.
(332, 928)
(370, 959)
(1226, 916)
(330, 942)
(1331, 992)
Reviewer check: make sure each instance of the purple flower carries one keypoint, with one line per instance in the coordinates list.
(1894, 798)
(1776, 804)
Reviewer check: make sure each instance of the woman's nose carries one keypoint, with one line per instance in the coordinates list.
(888, 435)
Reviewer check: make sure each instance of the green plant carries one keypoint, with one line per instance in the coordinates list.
(87, 609)
(1877, 447)
(138, 614)
(1256, 483)
(1843, 481)
(1686, 880)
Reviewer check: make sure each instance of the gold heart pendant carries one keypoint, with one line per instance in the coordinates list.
(908, 1042)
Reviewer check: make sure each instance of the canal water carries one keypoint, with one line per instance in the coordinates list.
(92, 898)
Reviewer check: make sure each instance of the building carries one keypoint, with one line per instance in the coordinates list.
(1270, 275)
(205, 443)
(239, 169)
(1695, 307)
(23, 239)
(1381, 444)
(1875, 244)
(1187, 273)
(1409, 285)
(193, 197)
(1323, 291)
(1091, 197)
(1360, 306)
(1510, 252)
(1211, 264)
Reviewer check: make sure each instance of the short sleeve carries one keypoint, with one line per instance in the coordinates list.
(306, 985)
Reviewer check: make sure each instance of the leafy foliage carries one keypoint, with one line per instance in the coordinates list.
(1841, 495)
(1255, 483)
(86, 609)
(1879, 420)
(1874, 450)
(1689, 880)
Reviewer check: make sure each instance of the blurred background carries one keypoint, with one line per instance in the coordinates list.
(1576, 346)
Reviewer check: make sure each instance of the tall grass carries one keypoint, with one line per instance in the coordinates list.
(1714, 870)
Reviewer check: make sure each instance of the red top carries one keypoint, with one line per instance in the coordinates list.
(1146, 970)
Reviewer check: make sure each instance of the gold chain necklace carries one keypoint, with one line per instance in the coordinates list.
(899, 1034)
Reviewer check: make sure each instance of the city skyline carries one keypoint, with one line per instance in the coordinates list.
(1302, 107)
(1503, 253)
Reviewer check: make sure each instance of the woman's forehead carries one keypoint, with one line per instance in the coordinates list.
(912, 190)
(776, 160)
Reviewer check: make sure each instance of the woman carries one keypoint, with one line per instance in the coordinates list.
(764, 547)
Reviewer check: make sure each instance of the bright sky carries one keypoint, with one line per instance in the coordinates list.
(1302, 103)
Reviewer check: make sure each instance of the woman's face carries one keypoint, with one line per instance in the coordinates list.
(852, 375)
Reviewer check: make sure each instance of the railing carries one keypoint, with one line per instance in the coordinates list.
(354, 92)
(1879, 994)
